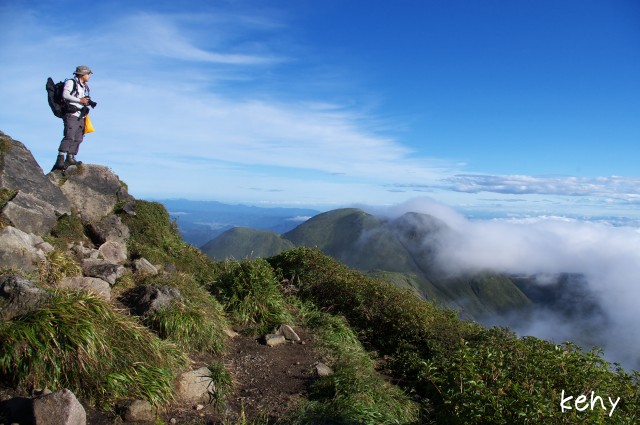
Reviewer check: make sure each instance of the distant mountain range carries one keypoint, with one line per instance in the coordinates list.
(201, 221)
(403, 252)
(396, 250)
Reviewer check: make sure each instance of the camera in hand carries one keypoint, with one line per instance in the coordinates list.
(91, 102)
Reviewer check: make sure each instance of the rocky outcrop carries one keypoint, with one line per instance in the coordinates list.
(92, 190)
(30, 214)
(20, 172)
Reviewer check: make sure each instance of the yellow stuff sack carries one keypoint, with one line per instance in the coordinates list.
(88, 127)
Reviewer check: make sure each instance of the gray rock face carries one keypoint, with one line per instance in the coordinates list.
(93, 192)
(21, 250)
(20, 171)
(19, 296)
(59, 408)
(29, 214)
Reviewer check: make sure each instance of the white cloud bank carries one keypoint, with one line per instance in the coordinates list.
(608, 257)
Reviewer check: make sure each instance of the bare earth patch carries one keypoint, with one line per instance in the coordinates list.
(269, 382)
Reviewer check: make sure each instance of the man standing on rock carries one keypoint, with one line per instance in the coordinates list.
(76, 98)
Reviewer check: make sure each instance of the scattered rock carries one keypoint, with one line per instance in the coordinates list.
(129, 208)
(143, 266)
(20, 250)
(322, 369)
(195, 385)
(288, 333)
(102, 269)
(90, 284)
(20, 296)
(59, 408)
(273, 340)
(139, 411)
(113, 252)
(149, 298)
(85, 253)
(231, 333)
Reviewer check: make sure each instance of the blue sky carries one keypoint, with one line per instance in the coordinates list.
(493, 107)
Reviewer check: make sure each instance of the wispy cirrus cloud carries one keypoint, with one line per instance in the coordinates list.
(619, 188)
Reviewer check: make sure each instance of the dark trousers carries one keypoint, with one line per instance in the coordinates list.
(73, 134)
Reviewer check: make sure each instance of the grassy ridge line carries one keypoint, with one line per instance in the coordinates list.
(462, 372)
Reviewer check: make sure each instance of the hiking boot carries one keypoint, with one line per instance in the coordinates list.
(60, 164)
(71, 160)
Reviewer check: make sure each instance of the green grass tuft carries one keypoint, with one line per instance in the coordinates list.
(250, 293)
(80, 342)
(57, 266)
(355, 393)
(197, 323)
(154, 236)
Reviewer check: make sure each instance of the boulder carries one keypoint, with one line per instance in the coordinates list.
(29, 214)
(109, 228)
(150, 298)
(94, 191)
(102, 269)
(143, 266)
(84, 252)
(194, 386)
(90, 284)
(59, 408)
(113, 252)
(21, 250)
(19, 296)
(20, 171)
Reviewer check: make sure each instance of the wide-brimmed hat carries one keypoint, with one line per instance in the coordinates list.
(82, 70)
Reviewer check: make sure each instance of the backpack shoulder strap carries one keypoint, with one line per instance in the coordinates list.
(74, 90)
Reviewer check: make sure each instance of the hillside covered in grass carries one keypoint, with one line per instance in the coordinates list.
(394, 358)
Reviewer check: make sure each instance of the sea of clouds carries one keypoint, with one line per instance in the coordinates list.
(606, 256)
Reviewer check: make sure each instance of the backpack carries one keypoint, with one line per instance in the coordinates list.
(54, 94)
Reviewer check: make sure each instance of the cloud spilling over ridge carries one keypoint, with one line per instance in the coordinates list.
(607, 256)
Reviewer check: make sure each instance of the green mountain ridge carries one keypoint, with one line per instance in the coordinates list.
(400, 250)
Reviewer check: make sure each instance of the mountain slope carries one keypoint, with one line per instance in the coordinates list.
(242, 242)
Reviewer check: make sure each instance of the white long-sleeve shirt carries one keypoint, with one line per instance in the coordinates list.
(82, 91)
